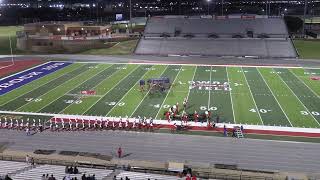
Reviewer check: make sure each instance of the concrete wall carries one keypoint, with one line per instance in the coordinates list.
(61, 46)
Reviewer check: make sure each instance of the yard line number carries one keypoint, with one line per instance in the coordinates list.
(113, 103)
(71, 101)
(33, 99)
(260, 110)
(315, 113)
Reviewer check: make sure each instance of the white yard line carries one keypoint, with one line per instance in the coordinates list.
(274, 96)
(258, 111)
(100, 96)
(234, 117)
(168, 92)
(38, 87)
(209, 89)
(305, 84)
(194, 73)
(64, 83)
(145, 95)
(298, 99)
(111, 89)
(72, 89)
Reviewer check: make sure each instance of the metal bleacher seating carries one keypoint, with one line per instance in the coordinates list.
(8, 167)
(260, 37)
(145, 176)
(59, 172)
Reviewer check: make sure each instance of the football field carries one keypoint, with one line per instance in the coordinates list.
(238, 95)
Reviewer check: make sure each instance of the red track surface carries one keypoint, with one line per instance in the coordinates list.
(18, 66)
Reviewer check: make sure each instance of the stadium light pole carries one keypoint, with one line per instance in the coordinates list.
(221, 7)
(304, 17)
(130, 11)
(208, 1)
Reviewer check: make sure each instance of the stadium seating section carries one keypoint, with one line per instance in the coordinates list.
(23, 171)
(261, 37)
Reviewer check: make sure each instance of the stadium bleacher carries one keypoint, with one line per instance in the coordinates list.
(8, 167)
(145, 176)
(275, 27)
(261, 37)
(24, 171)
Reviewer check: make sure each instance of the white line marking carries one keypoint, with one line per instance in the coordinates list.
(73, 89)
(66, 82)
(274, 96)
(38, 86)
(305, 84)
(209, 89)
(168, 91)
(194, 73)
(234, 117)
(146, 95)
(96, 86)
(110, 89)
(298, 99)
(252, 95)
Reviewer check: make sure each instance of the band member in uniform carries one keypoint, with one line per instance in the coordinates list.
(196, 116)
(184, 117)
(177, 108)
(127, 123)
(142, 83)
(107, 124)
(120, 124)
(113, 125)
(167, 116)
(134, 124)
(185, 102)
(151, 124)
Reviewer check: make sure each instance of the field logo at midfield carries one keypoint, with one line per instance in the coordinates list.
(12, 82)
(207, 85)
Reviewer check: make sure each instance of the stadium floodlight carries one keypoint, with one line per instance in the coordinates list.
(208, 1)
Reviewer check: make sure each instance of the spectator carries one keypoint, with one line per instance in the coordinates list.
(51, 177)
(43, 177)
(114, 177)
(70, 170)
(27, 159)
(75, 170)
(127, 178)
(225, 132)
(83, 177)
(194, 177)
(119, 152)
(32, 161)
(7, 177)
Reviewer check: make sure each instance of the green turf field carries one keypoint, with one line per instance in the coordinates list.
(246, 95)
(5, 33)
(308, 49)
